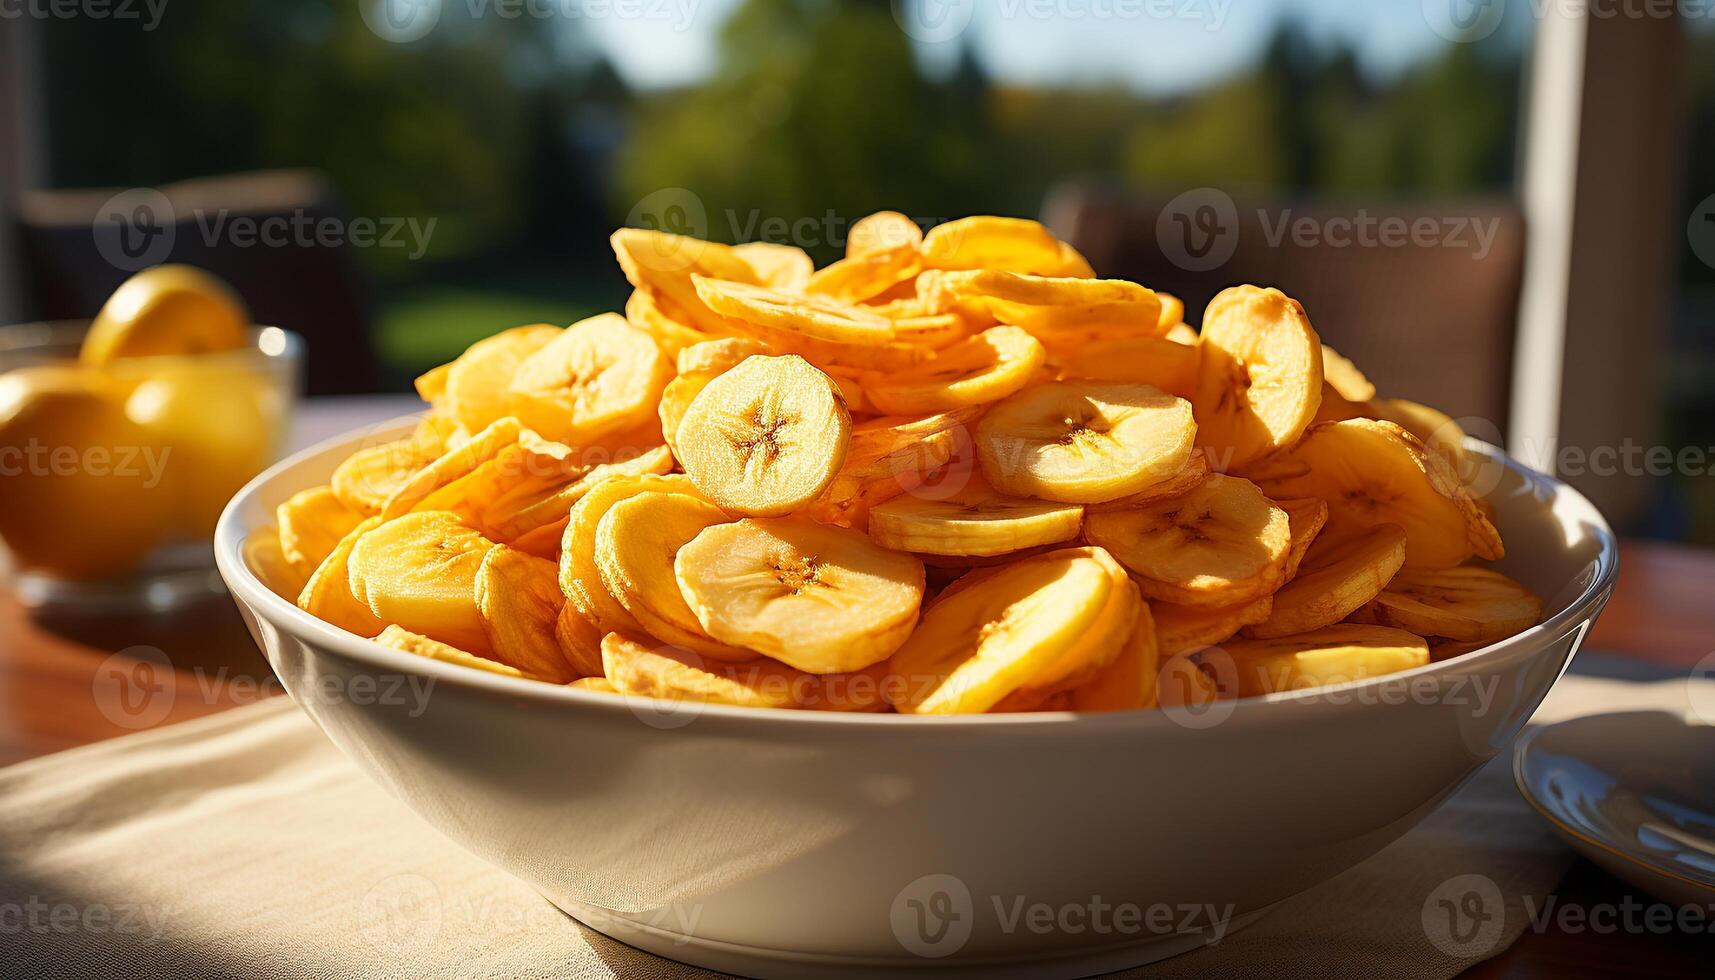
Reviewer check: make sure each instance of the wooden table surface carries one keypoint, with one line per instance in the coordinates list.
(64, 682)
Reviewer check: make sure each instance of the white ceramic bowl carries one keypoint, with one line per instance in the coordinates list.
(775, 843)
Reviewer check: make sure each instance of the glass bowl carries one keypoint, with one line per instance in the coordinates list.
(190, 397)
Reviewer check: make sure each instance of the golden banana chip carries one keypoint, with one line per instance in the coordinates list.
(431, 385)
(1260, 378)
(820, 598)
(1129, 682)
(1100, 644)
(328, 596)
(598, 685)
(636, 543)
(1307, 516)
(862, 277)
(477, 382)
(530, 507)
(419, 572)
(519, 601)
(784, 267)
(403, 639)
(657, 318)
(1180, 630)
(765, 438)
(988, 367)
(1222, 544)
(454, 465)
(639, 669)
(1344, 377)
(882, 231)
(712, 357)
(580, 578)
(598, 377)
(976, 521)
(890, 456)
(1084, 442)
(579, 640)
(1052, 307)
(369, 476)
(1373, 473)
(1331, 655)
(811, 317)
(662, 265)
(1005, 244)
(1336, 578)
(1474, 605)
(1154, 361)
(311, 524)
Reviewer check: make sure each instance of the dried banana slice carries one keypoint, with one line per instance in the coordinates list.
(528, 508)
(431, 385)
(598, 377)
(820, 598)
(403, 639)
(1180, 630)
(1129, 682)
(598, 685)
(809, 316)
(891, 456)
(369, 476)
(453, 465)
(477, 382)
(662, 265)
(1172, 313)
(1336, 578)
(1307, 515)
(1371, 473)
(1222, 544)
(660, 320)
(978, 644)
(1331, 655)
(311, 524)
(985, 368)
(1344, 377)
(579, 641)
(636, 543)
(977, 520)
(881, 231)
(863, 277)
(783, 267)
(327, 595)
(1260, 378)
(1468, 603)
(1052, 307)
(1193, 475)
(765, 438)
(519, 603)
(580, 578)
(713, 357)
(638, 669)
(1102, 642)
(1154, 361)
(1084, 442)
(419, 571)
(1431, 427)
(984, 242)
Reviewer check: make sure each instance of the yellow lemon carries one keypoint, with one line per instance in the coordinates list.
(82, 483)
(222, 422)
(170, 309)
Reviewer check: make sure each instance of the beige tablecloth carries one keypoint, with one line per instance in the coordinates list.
(244, 845)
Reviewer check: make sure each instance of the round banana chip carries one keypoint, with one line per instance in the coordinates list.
(1180, 630)
(529, 508)
(891, 456)
(419, 572)
(765, 438)
(455, 464)
(1083, 442)
(662, 264)
(403, 639)
(598, 377)
(519, 602)
(809, 316)
(712, 357)
(1053, 307)
(1129, 682)
(984, 242)
(636, 543)
(671, 329)
(477, 382)
(783, 267)
(977, 521)
(1331, 655)
(985, 368)
(1172, 313)
(371, 475)
(881, 231)
(640, 669)
(1433, 428)
(1222, 544)
(1469, 604)
(1307, 516)
(580, 577)
(820, 598)
(1371, 473)
(1154, 361)
(327, 595)
(977, 644)
(579, 640)
(311, 524)
(1260, 378)
(1336, 578)
(1193, 475)
(1101, 643)
(860, 278)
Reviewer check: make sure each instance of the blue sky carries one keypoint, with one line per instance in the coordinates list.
(1151, 45)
